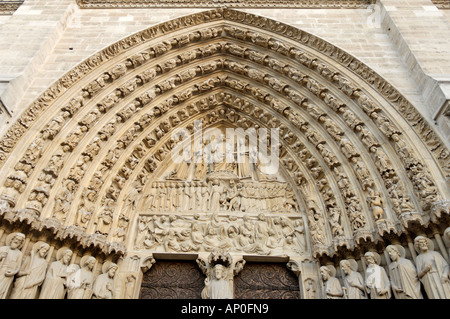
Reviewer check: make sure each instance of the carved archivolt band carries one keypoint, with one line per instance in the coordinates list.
(105, 130)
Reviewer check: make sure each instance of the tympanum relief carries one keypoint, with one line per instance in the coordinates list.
(220, 202)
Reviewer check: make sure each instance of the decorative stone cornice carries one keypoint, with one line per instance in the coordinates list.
(272, 4)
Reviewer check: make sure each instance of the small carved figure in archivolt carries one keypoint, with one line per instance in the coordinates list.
(377, 205)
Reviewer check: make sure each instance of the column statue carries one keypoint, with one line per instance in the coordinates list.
(353, 281)
(104, 284)
(10, 261)
(32, 273)
(377, 283)
(55, 282)
(402, 272)
(432, 269)
(331, 285)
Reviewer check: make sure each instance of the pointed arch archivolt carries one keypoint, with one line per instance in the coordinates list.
(101, 131)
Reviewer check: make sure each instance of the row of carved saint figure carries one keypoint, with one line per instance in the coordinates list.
(403, 280)
(33, 277)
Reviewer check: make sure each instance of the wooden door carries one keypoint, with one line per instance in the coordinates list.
(266, 281)
(173, 280)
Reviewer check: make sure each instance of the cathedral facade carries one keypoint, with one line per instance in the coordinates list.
(224, 149)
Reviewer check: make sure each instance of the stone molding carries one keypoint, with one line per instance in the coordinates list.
(271, 4)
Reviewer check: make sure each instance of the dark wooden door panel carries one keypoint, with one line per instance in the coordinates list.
(173, 280)
(266, 281)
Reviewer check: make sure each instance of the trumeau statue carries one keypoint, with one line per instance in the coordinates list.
(10, 261)
(432, 269)
(219, 270)
(403, 275)
(217, 285)
(376, 280)
(55, 283)
(32, 273)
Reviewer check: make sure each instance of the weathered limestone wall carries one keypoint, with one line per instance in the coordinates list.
(421, 34)
(401, 40)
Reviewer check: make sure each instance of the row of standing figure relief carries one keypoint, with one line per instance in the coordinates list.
(266, 235)
(217, 196)
(402, 280)
(33, 277)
